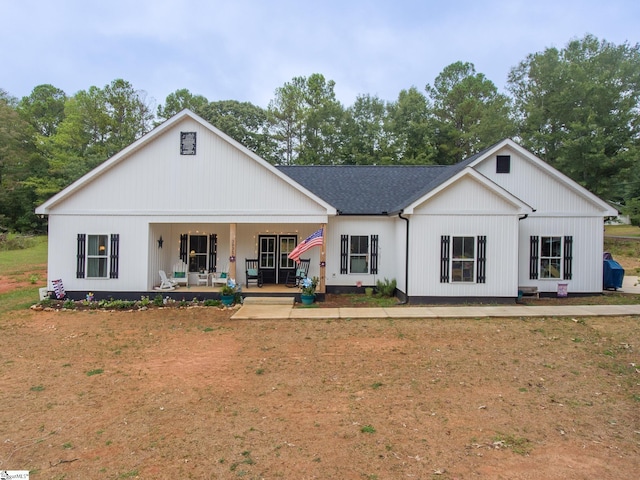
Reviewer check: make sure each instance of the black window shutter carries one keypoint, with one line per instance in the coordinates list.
(184, 248)
(213, 252)
(374, 254)
(80, 256)
(568, 257)
(344, 254)
(114, 256)
(533, 257)
(482, 259)
(444, 258)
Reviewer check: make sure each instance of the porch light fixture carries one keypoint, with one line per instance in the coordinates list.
(192, 253)
(160, 242)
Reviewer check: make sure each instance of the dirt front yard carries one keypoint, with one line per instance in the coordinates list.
(190, 393)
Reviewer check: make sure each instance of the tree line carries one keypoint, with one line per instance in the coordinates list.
(577, 108)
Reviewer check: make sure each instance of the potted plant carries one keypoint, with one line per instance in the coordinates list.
(228, 293)
(308, 292)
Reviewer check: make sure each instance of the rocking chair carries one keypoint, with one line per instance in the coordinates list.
(253, 272)
(302, 270)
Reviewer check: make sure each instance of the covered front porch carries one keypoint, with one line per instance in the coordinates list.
(213, 293)
(201, 255)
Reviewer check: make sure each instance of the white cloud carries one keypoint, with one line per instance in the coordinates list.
(245, 49)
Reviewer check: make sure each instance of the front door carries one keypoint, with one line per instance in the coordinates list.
(273, 256)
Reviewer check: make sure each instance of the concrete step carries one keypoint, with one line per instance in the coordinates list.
(268, 301)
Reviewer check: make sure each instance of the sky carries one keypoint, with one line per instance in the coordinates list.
(245, 49)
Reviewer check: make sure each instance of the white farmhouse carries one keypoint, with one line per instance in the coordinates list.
(187, 197)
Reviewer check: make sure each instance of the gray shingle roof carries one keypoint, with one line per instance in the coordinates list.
(373, 190)
(368, 190)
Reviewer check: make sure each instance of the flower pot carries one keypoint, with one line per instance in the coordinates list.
(307, 299)
(227, 300)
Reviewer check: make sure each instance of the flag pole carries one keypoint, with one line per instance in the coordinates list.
(323, 259)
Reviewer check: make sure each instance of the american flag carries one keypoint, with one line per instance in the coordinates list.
(58, 288)
(313, 240)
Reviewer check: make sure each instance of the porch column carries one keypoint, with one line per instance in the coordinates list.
(232, 252)
(323, 260)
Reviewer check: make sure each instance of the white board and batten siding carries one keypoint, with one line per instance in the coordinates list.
(219, 183)
(562, 208)
(587, 249)
(548, 191)
(133, 259)
(150, 189)
(388, 266)
(467, 208)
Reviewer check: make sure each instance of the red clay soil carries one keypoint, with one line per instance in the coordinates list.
(191, 393)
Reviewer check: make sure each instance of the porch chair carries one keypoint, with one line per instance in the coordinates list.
(253, 271)
(165, 282)
(302, 270)
(180, 274)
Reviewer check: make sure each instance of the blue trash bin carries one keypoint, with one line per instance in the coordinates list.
(613, 273)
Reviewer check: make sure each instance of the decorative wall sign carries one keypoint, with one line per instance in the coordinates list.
(187, 143)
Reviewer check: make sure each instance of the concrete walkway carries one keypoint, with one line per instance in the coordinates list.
(247, 312)
(274, 311)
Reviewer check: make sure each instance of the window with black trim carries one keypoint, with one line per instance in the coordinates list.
(550, 257)
(359, 254)
(197, 253)
(462, 259)
(187, 143)
(503, 163)
(97, 256)
(200, 252)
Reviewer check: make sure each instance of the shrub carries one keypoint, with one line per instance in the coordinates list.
(15, 242)
(69, 304)
(386, 288)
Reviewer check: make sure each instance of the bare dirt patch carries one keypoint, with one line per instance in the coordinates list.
(9, 283)
(190, 393)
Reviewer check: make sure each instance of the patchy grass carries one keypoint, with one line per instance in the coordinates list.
(622, 230)
(14, 262)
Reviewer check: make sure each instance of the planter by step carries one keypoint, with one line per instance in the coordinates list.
(307, 299)
(227, 300)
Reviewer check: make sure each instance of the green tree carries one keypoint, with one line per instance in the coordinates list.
(44, 109)
(410, 129)
(365, 140)
(578, 108)
(17, 161)
(323, 121)
(178, 101)
(244, 122)
(469, 113)
(305, 120)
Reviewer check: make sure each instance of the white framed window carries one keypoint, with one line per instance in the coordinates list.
(550, 257)
(463, 259)
(97, 256)
(359, 254)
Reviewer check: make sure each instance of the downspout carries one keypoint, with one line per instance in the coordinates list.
(406, 262)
